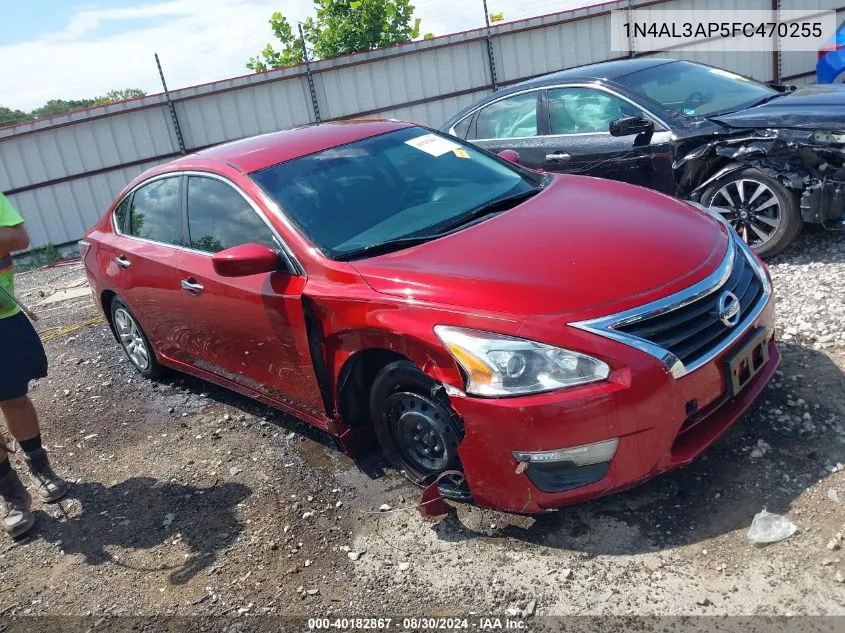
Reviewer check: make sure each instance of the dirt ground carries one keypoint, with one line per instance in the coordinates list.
(189, 499)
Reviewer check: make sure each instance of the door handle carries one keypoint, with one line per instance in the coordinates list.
(122, 262)
(558, 157)
(190, 284)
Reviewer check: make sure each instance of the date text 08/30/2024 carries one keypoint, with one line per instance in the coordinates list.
(480, 623)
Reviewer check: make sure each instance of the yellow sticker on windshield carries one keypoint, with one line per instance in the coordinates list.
(461, 153)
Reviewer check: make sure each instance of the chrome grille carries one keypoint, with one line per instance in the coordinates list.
(692, 330)
(684, 331)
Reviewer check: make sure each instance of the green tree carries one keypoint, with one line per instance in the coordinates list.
(113, 96)
(60, 106)
(10, 117)
(341, 27)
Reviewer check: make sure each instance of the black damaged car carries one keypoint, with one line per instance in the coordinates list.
(768, 158)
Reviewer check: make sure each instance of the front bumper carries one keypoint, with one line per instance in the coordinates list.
(641, 404)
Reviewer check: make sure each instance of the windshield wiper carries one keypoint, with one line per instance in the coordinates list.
(754, 104)
(384, 247)
(494, 206)
(766, 99)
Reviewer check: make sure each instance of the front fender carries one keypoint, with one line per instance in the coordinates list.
(730, 168)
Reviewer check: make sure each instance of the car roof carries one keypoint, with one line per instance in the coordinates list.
(257, 152)
(603, 70)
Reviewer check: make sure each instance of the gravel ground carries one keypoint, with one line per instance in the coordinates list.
(188, 499)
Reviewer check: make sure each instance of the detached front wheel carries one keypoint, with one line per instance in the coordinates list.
(759, 208)
(416, 427)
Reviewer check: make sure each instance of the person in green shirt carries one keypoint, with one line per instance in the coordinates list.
(22, 359)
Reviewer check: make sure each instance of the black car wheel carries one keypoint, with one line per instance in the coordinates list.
(417, 428)
(759, 208)
(133, 340)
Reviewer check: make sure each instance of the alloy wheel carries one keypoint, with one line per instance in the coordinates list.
(751, 208)
(131, 339)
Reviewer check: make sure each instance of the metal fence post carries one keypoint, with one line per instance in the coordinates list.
(177, 128)
(776, 55)
(313, 90)
(490, 58)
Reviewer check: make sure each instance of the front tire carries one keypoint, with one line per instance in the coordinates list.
(133, 340)
(414, 422)
(758, 207)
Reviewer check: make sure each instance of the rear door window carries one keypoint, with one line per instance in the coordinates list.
(462, 127)
(121, 212)
(514, 117)
(156, 211)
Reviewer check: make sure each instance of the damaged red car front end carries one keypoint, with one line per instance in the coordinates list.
(527, 341)
(680, 369)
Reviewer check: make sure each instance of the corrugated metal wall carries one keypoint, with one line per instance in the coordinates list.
(63, 172)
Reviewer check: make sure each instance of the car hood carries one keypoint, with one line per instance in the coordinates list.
(809, 108)
(582, 244)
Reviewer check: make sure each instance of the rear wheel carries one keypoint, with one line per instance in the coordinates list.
(417, 428)
(759, 208)
(134, 341)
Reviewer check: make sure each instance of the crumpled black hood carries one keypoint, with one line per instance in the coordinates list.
(810, 108)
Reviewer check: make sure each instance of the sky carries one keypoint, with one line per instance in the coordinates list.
(74, 49)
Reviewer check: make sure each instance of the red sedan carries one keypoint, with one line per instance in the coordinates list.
(553, 338)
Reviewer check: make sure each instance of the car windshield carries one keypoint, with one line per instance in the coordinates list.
(406, 184)
(695, 90)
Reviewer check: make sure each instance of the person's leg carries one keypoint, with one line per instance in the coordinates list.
(21, 418)
(22, 421)
(15, 501)
(30, 363)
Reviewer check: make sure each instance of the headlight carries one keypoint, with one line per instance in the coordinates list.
(498, 365)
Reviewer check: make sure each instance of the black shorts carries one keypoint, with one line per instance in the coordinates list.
(22, 357)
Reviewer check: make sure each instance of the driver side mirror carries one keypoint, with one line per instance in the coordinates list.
(631, 126)
(509, 155)
(245, 260)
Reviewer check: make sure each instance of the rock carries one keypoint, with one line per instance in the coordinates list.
(566, 574)
(168, 519)
(338, 504)
(353, 555)
(839, 577)
(833, 545)
(234, 470)
(308, 562)
(704, 603)
(307, 515)
(833, 495)
(528, 611)
(312, 592)
(384, 508)
(404, 566)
